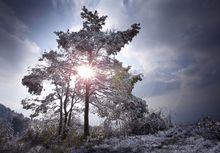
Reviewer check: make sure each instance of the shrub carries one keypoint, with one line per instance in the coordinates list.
(208, 128)
(150, 124)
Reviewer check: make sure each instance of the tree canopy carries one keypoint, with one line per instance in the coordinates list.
(109, 90)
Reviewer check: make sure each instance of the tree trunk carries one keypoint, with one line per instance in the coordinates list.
(61, 118)
(69, 118)
(65, 112)
(70, 112)
(87, 94)
(86, 111)
(65, 126)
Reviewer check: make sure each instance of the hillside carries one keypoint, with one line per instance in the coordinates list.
(17, 121)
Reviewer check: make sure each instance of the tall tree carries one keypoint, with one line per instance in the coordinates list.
(86, 60)
(97, 49)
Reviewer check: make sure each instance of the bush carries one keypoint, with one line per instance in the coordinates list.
(208, 128)
(41, 133)
(150, 124)
(6, 132)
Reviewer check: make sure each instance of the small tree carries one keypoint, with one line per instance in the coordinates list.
(57, 71)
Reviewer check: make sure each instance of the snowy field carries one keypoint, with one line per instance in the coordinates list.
(185, 139)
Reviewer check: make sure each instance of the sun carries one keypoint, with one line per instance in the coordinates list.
(86, 72)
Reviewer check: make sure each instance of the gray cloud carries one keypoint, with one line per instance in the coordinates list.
(179, 44)
(15, 47)
(16, 52)
(177, 48)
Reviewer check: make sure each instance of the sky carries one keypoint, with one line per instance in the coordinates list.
(177, 49)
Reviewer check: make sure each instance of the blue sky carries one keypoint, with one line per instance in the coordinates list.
(177, 49)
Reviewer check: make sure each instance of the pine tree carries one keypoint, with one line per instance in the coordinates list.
(109, 89)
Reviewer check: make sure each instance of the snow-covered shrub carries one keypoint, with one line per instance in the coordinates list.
(6, 132)
(102, 131)
(208, 128)
(45, 134)
(41, 133)
(74, 134)
(97, 132)
(119, 119)
(150, 124)
(8, 141)
(155, 122)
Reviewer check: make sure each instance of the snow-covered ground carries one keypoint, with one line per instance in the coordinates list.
(180, 139)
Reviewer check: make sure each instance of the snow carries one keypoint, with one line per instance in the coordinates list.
(179, 139)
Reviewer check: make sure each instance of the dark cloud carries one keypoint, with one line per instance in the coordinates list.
(185, 23)
(156, 88)
(186, 33)
(188, 26)
(15, 47)
(177, 48)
